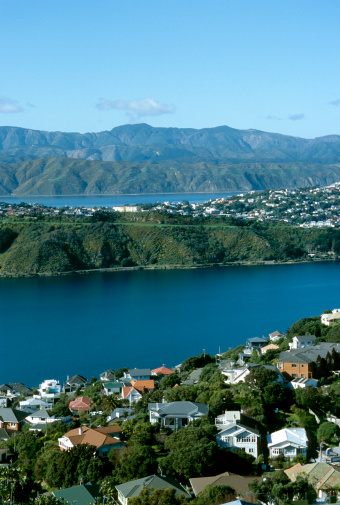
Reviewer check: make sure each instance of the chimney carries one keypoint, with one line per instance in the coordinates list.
(80, 430)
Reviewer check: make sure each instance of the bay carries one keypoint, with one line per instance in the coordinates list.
(111, 200)
(57, 326)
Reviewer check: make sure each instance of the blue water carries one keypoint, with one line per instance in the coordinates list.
(111, 200)
(54, 327)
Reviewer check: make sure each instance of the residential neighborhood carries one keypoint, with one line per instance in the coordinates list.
(228, 424)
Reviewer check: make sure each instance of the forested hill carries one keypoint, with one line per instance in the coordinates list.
(142, 159)
(53, 245)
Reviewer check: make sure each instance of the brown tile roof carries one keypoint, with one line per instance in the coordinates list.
(80, 403)
(107, 430)
(320, 475)
(90, 436)
(143, 385)
(237, 482)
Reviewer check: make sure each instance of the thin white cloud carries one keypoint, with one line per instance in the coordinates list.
(143, 107)
(274, 118)
(9, 106)
(336, 103)
(296, 117)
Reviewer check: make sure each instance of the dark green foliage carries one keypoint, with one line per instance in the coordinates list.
(158, 497)
(214, 495)
(196, 362)
(60, 409)
(133, 463)
(192, 453)
(7, 237)
(333, 334)
(279, 490)
(328, 432)
(306, 326)
(65, 468)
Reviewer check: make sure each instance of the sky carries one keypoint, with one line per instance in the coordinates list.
(91, 65)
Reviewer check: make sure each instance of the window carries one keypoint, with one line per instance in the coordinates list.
(294, 365)
(250, 438)
(294, 374)
(280, 366)
(302, 366)
(276, 452)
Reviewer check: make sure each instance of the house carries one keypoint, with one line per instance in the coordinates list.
(153, 482)
(325, 478)
(299, 382)
(288, 442)
(81, 404)
(276, 335)
(4, 401)
(237, 375)
(138, 374)
(121, 413)
(112, 387)
(6, 390)
(238, 482)
(143, 386)
(33, 404)
(176, 415)
(309, 362)
(81, 495)
(20, 389)
(328, 319)
(74, 383)
(162, 370)
(238, 432)
(49, 388)
(11, 420)
(131, 394)
(103, 439)
(255, 343)
(269, 347)
(299, 342)
(42, 417)
(109, 375)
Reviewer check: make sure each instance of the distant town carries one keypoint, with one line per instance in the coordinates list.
(306, 207)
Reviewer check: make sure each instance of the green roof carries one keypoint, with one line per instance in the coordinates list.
(82, 495)
(134, 487)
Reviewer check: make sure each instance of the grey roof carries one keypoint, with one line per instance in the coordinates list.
(82, 495)
(5, 387)
(308, 354)
(305, 338)
(18, 387)
(8, 415)
(38, 427)
(4, 435)
(42, 414)
(258, 340)
(235, 424)
(179, 408)
(134, 487)
(136, 372)
(77, 379)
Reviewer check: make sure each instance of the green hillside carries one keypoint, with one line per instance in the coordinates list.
(51, 246)
(67, 176)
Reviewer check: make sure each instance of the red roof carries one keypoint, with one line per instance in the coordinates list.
(163, 370)
(81, 403)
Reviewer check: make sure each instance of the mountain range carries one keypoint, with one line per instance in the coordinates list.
(142, 159)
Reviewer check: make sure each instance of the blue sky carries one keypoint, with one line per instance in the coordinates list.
(81, 65)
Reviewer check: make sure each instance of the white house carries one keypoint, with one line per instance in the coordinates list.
(288, 442)
(49, 388)
(299, 342)
(41, 418)
(176, 415)
(237, 375)
(328, 319)
(237, 436)
(300, 382)
(131, 394)
(276, 335)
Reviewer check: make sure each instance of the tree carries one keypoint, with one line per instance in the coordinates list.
(110, 402)
(134, 463)
(215, 495)
(60, 409)
(278, 489)
(158, 497)
(192, 453)
(328, 432)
